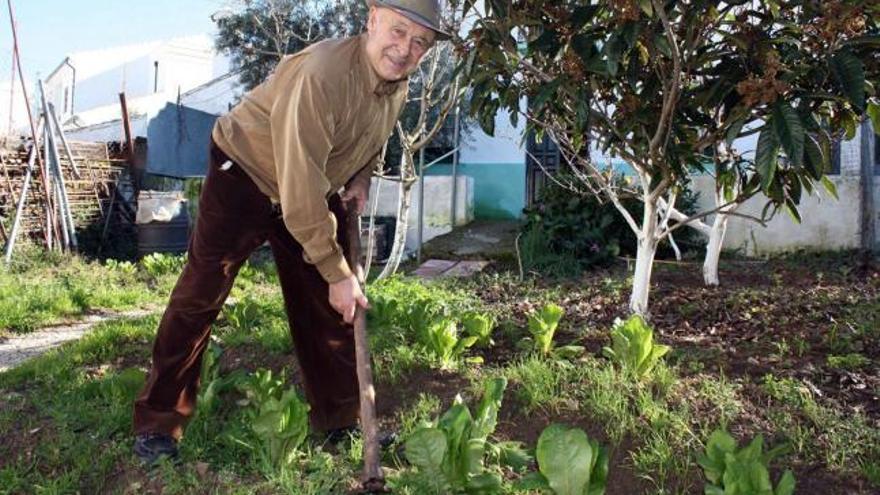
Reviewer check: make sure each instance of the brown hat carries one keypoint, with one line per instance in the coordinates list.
(423, 12)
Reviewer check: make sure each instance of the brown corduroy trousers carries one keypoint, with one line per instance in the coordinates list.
(234, 219)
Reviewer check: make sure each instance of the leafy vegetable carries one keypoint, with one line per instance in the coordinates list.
(279, 418)
(569, 463)
(542, 326)
(744, 471)
(452, 451)
(633, 347)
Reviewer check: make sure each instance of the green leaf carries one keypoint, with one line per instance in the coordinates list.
(793, 212)
(564, 458)
(483, 483)
(830, 187)
(513, 455)
(479, 325)
(850, 74)
(487, 412)
(734, 131)
(767, 157)
(713, 490)
(713, 461)
(647, 7)
(786, 484)
(874, 114)
(532, 482)
(547, 91)
(613, 50)
(425, 449)
(789, 131)
(599, 474)
(850, 123)
(816, 160)
(662, 44)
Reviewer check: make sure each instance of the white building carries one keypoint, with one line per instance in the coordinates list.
(12, 103)
(84, 88)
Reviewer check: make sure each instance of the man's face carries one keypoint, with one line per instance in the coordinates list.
(395, 44)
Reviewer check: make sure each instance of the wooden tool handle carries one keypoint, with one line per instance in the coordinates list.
(372, 470)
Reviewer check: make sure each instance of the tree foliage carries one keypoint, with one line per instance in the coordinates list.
(258, 33)
(668, 86)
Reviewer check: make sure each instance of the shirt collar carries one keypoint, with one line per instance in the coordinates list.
(373, 82)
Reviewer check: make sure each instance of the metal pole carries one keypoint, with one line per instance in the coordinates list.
(67, 150)
(454, 207)
(22, 199)
(59, 202)
(421, 223)
(66, 216)
(62, 189)
(34, 134)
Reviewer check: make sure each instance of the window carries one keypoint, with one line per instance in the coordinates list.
(66, 101)
(542, 157)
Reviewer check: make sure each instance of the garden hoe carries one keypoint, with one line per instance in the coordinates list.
(373, 480)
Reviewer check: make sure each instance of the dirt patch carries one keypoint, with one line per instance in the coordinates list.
(780, 317)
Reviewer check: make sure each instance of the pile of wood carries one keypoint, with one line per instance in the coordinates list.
(97, 185)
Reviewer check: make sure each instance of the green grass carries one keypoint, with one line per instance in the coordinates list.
(71, 408)
(844, 441)
(51, 293)
(540, 383)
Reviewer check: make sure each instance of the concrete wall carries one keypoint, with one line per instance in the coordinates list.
(109, 131)
(18, 109)
(499, 188)
(497, 167)
(101, 75)
(827, 223)
(438, 205)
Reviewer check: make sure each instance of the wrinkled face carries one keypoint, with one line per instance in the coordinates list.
(395, 44)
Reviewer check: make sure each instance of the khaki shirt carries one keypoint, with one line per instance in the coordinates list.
(322, 116)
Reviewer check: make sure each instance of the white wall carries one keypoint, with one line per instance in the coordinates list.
(18, 109)
(97, 77)
(502, 148)
(216, 97)
(438, 202)
(827, 223)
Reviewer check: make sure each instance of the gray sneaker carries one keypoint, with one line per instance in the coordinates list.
(151, 447)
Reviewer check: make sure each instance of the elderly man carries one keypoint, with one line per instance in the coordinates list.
(278, 160)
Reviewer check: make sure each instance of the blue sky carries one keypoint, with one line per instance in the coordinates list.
(48, 30)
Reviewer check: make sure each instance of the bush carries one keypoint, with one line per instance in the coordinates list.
(566, 232)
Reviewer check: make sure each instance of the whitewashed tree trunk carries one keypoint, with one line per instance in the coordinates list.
(645, 252)
(404, 204)
(713, 249)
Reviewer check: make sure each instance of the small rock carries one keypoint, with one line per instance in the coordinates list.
(202, 469)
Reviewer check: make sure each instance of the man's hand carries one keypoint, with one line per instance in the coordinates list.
(356, 194)
(345, 296)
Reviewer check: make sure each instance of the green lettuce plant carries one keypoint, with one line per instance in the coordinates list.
(479, 325)
(452, 450)
(569, 463)
(633, 347)
(446, 344)
(159, 264)
(542, 325)
(278, 417)
(744, 471)
(243, 315)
